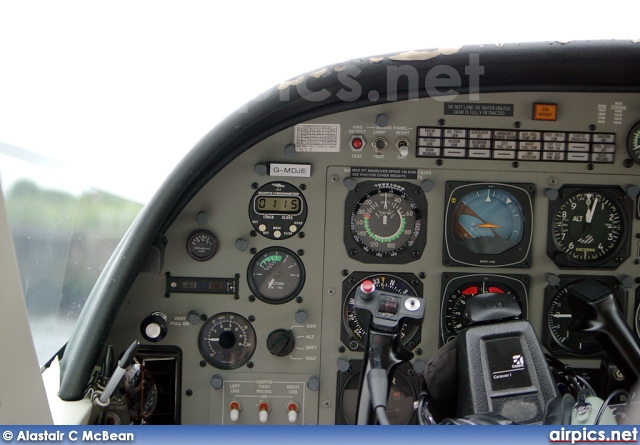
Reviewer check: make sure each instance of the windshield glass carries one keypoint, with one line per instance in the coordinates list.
(63, 234)
(99, 101)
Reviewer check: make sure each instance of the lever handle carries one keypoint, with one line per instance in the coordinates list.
(594, 309)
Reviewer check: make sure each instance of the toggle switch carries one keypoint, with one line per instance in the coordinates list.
(234, 410)
(263, 411)
(292, 411)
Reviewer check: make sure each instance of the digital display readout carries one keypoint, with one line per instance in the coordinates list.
(277, 204)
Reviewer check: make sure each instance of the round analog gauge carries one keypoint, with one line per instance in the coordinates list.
(558, 317)
(488, 224)
(227, 340)
(276, 275)
(588, 228)
(278, 210)
(637, 320)
(356, 327)
(399, 404)
(633, 143)
(488, 221)
(455, 300)
(386, 221)
(201, 245)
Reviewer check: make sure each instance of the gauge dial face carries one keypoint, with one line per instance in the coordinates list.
(202, 245)
(588, 228)
(633, 143)
(488, 224)
(488, 213)
(356, 327)
(276, 275)
(386, 221)
(558, 317)
(457, 289)
(227, 340)
(399, 404)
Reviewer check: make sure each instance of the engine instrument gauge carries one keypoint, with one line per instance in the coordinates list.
(457, 288)
(278, 210)
(557, 337)
(588, 227)
(201, 245)
(276, 275)
(355, 327)
(488, 224)
(633, 143)
(405, 388)
(227, 340)
(385, 221)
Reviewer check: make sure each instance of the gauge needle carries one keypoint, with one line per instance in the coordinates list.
(212, 339)
(385, 200)
(591, 210)
(488, 226)
(561, 315)
(271, 283)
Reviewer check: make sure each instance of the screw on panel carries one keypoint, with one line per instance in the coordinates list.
(418, 351)
(249, 365)
(300, 252)
(628, 163)
(253, 251)
(298, 299)
(203, 363)
(517, 124)
(422, 275)
(252, 318)
(341, 349)
(441, 122)
(592, 127)
(188, 392)
(303, 186)
(254, 186)
(345, 272)
(252, 298)
(353, 252)
(439, 162)
(203, 317)
(590, 167)
(331, 291)
(335, 178)
(301, 235)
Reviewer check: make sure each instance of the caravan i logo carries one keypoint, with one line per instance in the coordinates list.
(517, 361)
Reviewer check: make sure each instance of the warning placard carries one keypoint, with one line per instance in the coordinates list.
(487, 110)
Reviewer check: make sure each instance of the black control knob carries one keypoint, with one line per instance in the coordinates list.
(281, 342)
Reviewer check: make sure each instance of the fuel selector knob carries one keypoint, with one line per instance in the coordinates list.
(281, 342)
